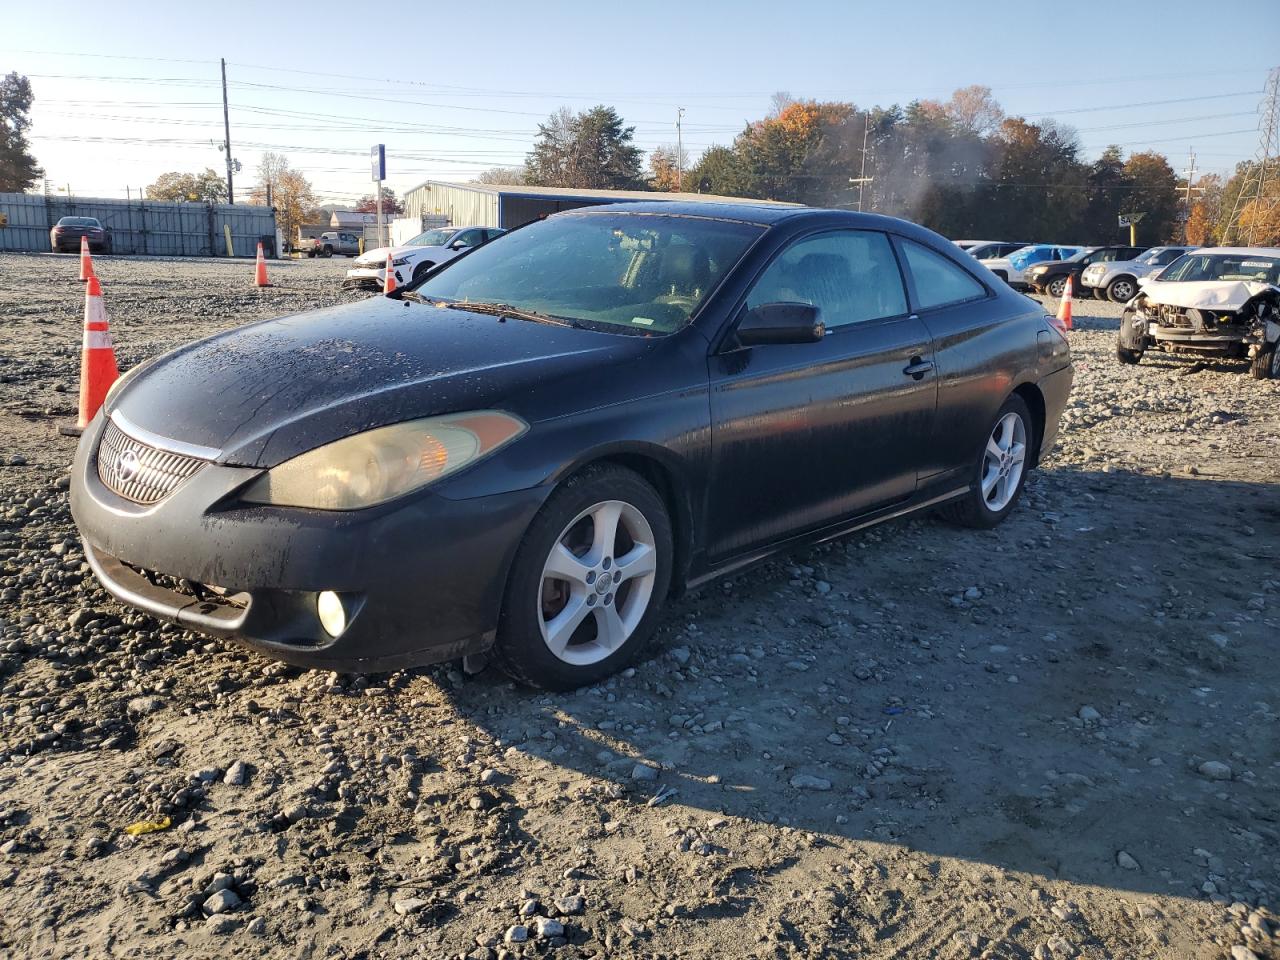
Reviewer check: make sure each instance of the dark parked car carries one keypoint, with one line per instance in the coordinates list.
(66, 233)
(529, 450)
(1051, 277)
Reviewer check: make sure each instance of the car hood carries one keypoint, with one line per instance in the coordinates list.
(268, 391)
(1204, 294)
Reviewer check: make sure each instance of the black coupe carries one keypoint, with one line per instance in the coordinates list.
(530, 449)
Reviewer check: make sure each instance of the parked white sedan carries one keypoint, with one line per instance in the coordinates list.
(413, 259)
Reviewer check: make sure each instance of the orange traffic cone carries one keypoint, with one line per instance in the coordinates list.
(98, 370)
(1064, 308)
(389, 279)
(86, 261)
(260, 271)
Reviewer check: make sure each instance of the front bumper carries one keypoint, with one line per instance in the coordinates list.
(371, 277)
(422, 579)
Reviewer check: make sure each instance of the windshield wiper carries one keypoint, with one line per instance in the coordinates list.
(506, 310)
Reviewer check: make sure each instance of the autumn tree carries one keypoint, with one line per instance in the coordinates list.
(18, 169)
(589, 150)
(974, 110)
(666, 167)
(1259, 219)
(291, 193)
(208, 186)
(777, 154)
(390, 204)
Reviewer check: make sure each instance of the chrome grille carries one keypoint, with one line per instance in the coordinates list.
(138, 471)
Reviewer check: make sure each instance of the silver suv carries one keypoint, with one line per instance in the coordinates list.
(1118, 281)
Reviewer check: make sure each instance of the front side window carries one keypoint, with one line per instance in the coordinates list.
(939, 282)
(620, 272)
(851, 276)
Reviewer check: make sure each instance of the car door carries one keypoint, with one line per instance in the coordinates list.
(975, 352)
(804, 435)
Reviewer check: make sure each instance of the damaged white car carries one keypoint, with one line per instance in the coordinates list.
(1217, 301)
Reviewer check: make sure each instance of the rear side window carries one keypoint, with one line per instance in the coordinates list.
(851, 276)
(939, 282)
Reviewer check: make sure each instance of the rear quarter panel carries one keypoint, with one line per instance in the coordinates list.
(983, 351)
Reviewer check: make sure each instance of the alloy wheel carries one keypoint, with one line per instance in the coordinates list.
(1056, 287)
(1003, 461)
(1122, 291)
(597, 582)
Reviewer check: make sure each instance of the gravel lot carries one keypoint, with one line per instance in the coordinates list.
(1057, 739)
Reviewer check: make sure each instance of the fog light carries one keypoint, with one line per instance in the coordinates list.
(332, 614)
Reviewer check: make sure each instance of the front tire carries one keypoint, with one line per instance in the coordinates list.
(1122, 289)
(1000, 470)
(588, 583)
(420, 269)
(1266, 364)
(1056, 287)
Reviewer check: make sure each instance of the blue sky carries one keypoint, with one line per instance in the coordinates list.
(127, 90)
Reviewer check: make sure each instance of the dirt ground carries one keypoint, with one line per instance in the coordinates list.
(1057, 739)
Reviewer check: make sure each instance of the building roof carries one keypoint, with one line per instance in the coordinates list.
(569, 193)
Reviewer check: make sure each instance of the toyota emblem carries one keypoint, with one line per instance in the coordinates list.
(127, 465)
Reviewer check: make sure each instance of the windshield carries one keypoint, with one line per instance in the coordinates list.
(1152, 255)
(1192, 267)
(432, 238)
(1087, 251)
(638, 273)
(77, 222)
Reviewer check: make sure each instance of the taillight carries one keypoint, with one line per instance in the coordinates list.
(1057, 325)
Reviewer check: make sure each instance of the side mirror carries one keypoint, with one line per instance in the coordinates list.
(781, 323)
(459, 245)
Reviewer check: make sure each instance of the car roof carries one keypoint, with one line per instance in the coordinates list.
(1244, 251)
(768, 215)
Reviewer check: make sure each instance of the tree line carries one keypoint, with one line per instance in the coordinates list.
(961, 167)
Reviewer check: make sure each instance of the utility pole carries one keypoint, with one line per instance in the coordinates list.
(679, 150)
(1191, 179)
(226, 126)
(862, 179)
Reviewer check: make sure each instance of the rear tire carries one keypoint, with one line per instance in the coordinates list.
(562, 632)
(327, 252)
(1000, 469)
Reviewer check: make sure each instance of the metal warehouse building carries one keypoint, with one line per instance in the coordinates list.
(497, 205)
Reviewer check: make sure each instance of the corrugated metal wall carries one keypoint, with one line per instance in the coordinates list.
(463, 207)
(159, 228)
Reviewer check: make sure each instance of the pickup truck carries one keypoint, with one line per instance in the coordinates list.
(327, 244)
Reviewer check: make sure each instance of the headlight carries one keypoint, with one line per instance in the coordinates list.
(382, 464)
(1039, 269)
(400, 263)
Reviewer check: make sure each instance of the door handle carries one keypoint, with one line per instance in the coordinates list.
(917, 368)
